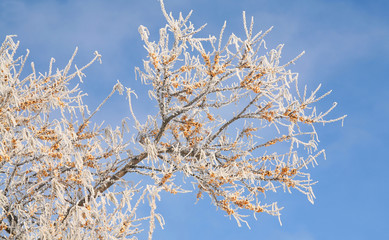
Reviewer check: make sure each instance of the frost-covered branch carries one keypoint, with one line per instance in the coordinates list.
(228, 118)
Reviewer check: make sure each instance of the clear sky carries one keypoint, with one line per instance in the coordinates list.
(347, 50)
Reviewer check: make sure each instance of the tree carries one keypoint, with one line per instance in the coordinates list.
(228, 120)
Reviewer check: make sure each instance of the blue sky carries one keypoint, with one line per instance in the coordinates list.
(347, 50)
